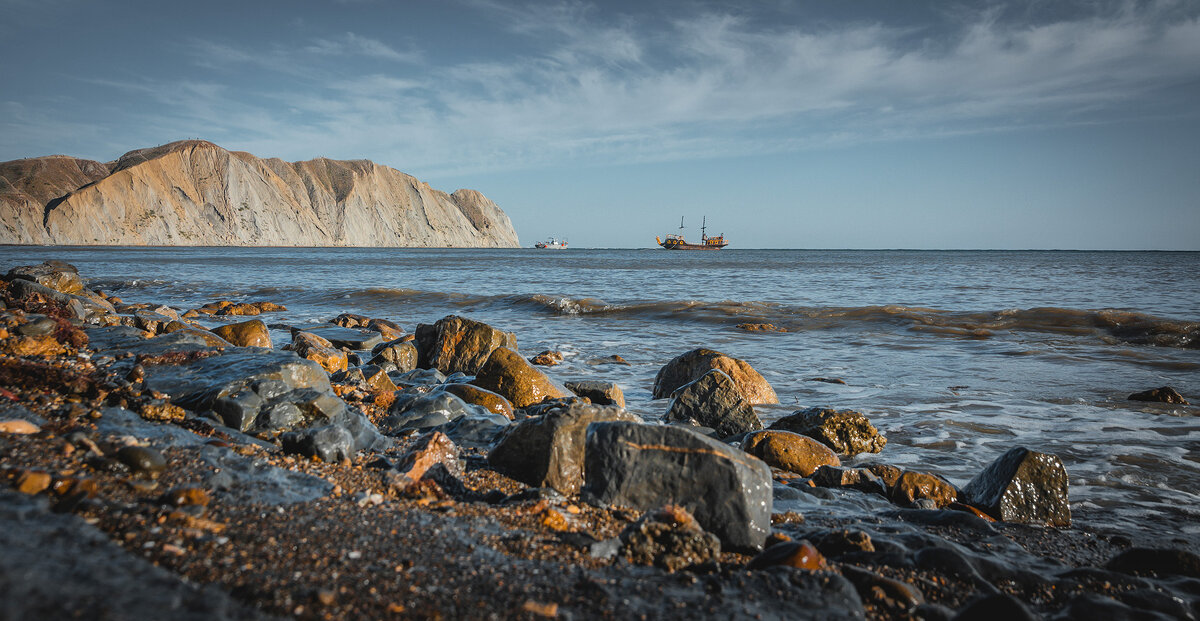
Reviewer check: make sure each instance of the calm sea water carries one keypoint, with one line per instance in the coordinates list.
(955, 356)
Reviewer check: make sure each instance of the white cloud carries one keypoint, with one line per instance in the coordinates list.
(351, 44)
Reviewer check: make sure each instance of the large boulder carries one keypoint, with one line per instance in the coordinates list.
(509, 375)
(83, 305)
(1022, 486)
(713, 401)
(456, 343)
(402, 354)
(845, 431)
(251, 333)
(320, 350)
(548, 450)
(790, 451)
(598, 392)
(57, 275)
(691, 366)
(647, 466)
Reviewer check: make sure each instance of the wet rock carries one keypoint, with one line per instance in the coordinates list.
(319, 350)
(509, 375)
(142, 460)
(694, 364)
(33, 482)
(598, 392)
(887, 473)
(798, 554)
(456, 343)
(486, 399)
(202, 337)
(431, 448)
(828, 380)
(646, 466)
(348, 338)
(548, 450)
(18, 426)
(789, 451)
(420, 378)
(426, 411)
(546, 405)
(997, 607)
(331, 443)
(82, 305)
(913, 487)
(376, 378)
(547, 358)
(1159, 561)
(474, 430)
(1166, 394)
(844, 541)
(760, 327)
(37, 325)
(1093, 606)
(1022, 486)
(56, 275)
(251, 333)
(861, 479)
(613, 359)
(402, 354)
(845, 431)
(713, 401)
(886, 593)
(33, 346)
(669, 538)
(350, 320)
(390, 331)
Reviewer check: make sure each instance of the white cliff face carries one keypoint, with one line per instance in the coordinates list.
(195, 193)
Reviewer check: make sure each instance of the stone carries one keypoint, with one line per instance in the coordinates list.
(142, 460)
(456, 343)
(598, 392)
(56, 275)
(331, 443)
(913, 487)
(888, 474)
(33, 346)
(208, 338)
(376, 379)
(861, 479)
(844, 541)
(319, 350)
(885, 593)
(547, 358)
(647, 466)
(474, 430)
(997, 606)
(18, 426)
(691, 366)
(1158, 561)
(548, 450)
(798, 554)
(789, 451)
(509, 375)
(33, 482)
(390, 331)
(486, 399)
(845, 431)
(83, 305)
(350, 320)
(713, 401)
(402, 354)
(669, 538)
(251, 333)
(424, 411)
(760, 327)
(1022, 486)
(1166, 394)
(339, 337)
(429, 449)
(613, 359)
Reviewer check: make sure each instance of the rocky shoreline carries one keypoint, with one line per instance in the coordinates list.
(154, 467)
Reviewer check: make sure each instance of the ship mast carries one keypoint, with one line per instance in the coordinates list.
(703, 225)
(681, 226)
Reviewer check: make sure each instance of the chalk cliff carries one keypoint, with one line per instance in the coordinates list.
(195, 193)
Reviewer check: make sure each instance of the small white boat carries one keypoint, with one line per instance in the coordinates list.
(552, 244)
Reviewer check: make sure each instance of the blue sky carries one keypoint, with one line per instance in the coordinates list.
(872, 124)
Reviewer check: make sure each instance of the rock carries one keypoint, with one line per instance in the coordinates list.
(646, 466)
(18, 426)
(348, 338)
(251, 333)
(331, 443)
(995, 607)
(376, 379)
(186, 497)
(1166, 394)
(1022, 486)
(33, 482)
(713, 401)
(845, 431)
(547, 358)
(57, 275)
(509, 375)
(350, 320)
(429, 449)
(319, 350)
(760, 327)
(598, 392)
(887, 474)
(844, 541)
(884, 593)
(38, 325)
(426, 411)
(613, 359)
(83, 305)
(487, 399)
(456, 343)
(40, 346)
(403, 354)
(912, 487)
(208, 338)
(694, 364)
(789, 451)
(669, 538)
(861, 479)
(474, 430)
(798, 554)
(1158, 561)
(390, 331)
(548, 450)
(142, 460)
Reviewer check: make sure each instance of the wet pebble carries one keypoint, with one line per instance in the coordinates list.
(142, 460)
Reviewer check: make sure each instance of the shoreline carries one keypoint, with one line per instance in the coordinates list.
(276, 531)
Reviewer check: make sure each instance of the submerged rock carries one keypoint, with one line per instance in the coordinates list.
(1166, 394)
(646, 466)
(598, 392)
(789, 451)
(1022, 486)
(669, 538)
(691, 366)
(713, 401)
(456, 343)
(548, 450)
(845, 431)
(509, 375)
(547, 358)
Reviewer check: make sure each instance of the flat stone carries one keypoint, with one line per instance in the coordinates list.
(350, 338)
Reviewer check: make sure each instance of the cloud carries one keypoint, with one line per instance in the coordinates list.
(351, 44)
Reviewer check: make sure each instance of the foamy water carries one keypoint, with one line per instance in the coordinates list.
(955, 356)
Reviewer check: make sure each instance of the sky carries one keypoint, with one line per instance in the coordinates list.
(1049, 124)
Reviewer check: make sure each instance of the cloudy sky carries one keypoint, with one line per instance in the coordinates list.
(799, 124)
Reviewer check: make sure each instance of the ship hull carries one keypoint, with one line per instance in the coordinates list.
(687, 246)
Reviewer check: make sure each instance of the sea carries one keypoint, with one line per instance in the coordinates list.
(956, 356)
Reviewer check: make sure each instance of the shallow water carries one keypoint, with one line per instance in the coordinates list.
(955, 356)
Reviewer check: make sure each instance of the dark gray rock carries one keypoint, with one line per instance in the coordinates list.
(845, 431)
(401, 354)
(427, 411)
(997, 607)
(1166, 394)
(475, 430)
(331, 443)
(647, 466)
(598, 392)
(349, 338)
(1022, 486)
(548, 450)
(456, 343)
(37, 325)
(669, 538)
(83, 306)
(419, 377)
(1160, 561)
(713, 401)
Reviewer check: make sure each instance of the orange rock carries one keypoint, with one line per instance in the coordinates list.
(478, 396)
(691, 366)
(251, 333)
(242, 309)
(547, 358)
(556, 521)
(799, 554)
(914, 486)
(162, 412)
(319, 350)
(389, 330)
(210, 339)
(187, 496)
(509, 375)
(17, 426)
(269, 307)
(33, 482)
(790, 451)
(33, 346)
(433, 448)
(760, 327)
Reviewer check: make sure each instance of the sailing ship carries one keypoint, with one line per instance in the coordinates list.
(552, 244)
(677, 242)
